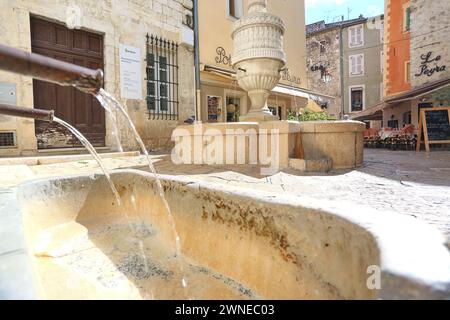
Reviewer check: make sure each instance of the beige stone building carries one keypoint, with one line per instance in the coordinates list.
(100, 34)
(221, 98)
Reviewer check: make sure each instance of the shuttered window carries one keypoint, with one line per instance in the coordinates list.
(356, 64)
(407, 20)
(356, 36)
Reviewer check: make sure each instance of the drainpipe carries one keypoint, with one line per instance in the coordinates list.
(198, 109)
(341, 61)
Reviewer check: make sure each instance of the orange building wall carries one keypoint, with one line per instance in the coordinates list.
(397, 48)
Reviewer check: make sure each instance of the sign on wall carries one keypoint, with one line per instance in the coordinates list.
(222, 57)
(130, 72)
(430, 65)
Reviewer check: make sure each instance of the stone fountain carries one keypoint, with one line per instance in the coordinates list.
(68, 237)
(258, 57)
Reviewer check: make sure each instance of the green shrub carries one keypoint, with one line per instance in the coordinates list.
(308, 115)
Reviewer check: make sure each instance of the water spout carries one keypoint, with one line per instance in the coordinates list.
(38, 114)
(49, 115)
(48, 69)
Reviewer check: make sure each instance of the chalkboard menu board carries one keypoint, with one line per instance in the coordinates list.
(438, 125)
(434, 126)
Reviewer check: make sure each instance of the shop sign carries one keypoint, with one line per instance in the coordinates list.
(222, 57)
(286, 76)
(426, 67)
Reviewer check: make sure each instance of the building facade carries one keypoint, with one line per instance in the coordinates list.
(345, 59)
(100, 35)
(323, 47)
(418, 60)
(398, 34)
(363, 64)
(430, 48)
(397, 59)
(222, 100)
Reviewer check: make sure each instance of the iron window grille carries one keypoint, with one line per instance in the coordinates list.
(162, 78)
(7, 139)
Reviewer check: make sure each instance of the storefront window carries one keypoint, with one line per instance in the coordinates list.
(213, 108)
(407, 118)
(233, 109)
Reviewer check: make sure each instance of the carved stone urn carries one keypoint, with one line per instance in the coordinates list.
(258, 57)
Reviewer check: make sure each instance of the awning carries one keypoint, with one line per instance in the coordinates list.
(313, 106)
(376, 112)
(280, 88)
(372, 113)
(227, 73)
(419, 91)
(290, 91)
(300, 92)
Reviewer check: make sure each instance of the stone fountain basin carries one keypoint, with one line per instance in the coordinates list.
(72, 241)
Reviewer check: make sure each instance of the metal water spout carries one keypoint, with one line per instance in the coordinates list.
(37, 114)
(48, 69)
(258, 57)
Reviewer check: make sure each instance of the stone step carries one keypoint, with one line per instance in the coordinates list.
(70, 151)
(50, 159)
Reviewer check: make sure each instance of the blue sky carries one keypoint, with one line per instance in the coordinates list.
(332, 10)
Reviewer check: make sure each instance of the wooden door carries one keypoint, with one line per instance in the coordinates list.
(71, 105)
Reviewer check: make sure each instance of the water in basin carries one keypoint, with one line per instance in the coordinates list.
(83, 246)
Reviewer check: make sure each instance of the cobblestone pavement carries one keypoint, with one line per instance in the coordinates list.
(409, 183)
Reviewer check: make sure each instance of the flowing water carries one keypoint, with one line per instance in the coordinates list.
(115, 129)
(91, 149)
(108, 102)
(94, 153)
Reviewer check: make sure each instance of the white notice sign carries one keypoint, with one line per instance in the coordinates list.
(130, 72)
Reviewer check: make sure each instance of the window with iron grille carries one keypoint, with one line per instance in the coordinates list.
(7, 139)
(162, 78)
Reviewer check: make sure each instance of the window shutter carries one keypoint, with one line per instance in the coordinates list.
(352, 65)
(408, 19)
(358, 35)
(352, 36)
(359, 64)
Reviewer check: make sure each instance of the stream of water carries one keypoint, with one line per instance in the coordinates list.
(85, 142)
(109, 103)
(115, 129)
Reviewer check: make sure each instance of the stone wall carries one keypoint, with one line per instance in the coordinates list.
(329, 58)
(430, 47)
(120, 22)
